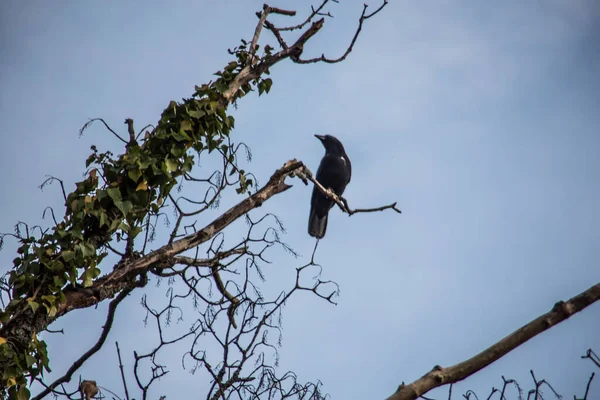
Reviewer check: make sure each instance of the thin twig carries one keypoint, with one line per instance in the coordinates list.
(306, 175)
(592, 356)
(364, 16)
(314, 13)
(92, 120)
(122, 371)
(587, 388)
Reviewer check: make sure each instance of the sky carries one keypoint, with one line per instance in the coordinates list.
(479, 118)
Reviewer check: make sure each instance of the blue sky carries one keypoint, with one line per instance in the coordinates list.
(480, 118)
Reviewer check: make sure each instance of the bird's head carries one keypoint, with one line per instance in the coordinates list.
(331, 144)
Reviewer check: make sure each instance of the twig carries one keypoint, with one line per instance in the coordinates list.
(92, 120)
(277, 34)
(363, 17)
(592, 356)
(306, 175)
(122, 372)
(314, 13)
(49, 180)
(587, 388)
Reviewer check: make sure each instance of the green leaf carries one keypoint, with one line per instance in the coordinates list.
(89, 275)
(142, 186)
(55, 265)
(185, 125)
(59, 281)
(171, 165)
(114, 194)
(102, 219)
(124, 227)
(261, 87)
(68, 255)
(196, 113)
(124, 206)
(114, 224)
(268, 83)
(33, 304)
(23, 393)
(29, 360)
(90, 160)
(52, 311)
(134, 174)
(87, 249)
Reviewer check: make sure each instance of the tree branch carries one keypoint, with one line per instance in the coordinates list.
(306, 175)
(123, 276)
(363, 17)
(122, 371)
(439, 376)
(112, 308)
(250, 72)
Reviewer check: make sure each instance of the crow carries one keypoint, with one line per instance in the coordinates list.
(334, 173)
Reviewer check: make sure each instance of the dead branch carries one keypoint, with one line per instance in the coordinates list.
(314, 13)
(592, 356)
(122, 371)
(363, 17)
(92, 120)
(439, 376)
(587, 388)
(306, 175)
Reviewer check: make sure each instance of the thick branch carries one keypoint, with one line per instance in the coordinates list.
(123, 276)
(443, 376)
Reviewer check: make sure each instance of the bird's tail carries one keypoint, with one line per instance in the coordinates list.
(317, 225)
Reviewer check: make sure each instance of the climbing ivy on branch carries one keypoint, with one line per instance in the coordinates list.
(58, 271)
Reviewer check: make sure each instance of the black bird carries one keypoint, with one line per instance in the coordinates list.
(334, 173)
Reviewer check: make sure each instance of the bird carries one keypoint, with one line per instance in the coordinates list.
(334, 173)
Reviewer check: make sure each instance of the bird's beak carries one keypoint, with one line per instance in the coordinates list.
(320, 137)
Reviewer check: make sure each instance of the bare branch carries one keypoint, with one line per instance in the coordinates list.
(306, 175)
(442, 376)
(254, 72)
(92, 120)
(122, 371)
(587, 388)
(258, 29)
(51, 179)
(314, 13)
(363, 17)
(592, 356)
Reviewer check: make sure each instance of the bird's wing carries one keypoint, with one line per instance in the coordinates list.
(333, 173)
